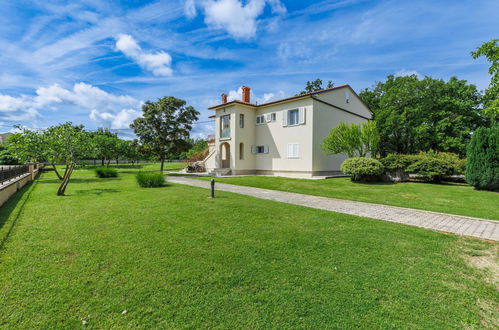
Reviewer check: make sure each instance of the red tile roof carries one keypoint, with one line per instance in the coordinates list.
(281, 100)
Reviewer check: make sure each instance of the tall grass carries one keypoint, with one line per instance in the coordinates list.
(150, 179)
(106, 172)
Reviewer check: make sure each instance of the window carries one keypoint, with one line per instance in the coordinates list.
(271, 117)
(260, 149)
(347, 97)
(293, 150)
(241, 120)
(241, 151)
(225, 126)
(293, 117)
(260, 119)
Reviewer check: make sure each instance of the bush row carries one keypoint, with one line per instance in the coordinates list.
(429, 166)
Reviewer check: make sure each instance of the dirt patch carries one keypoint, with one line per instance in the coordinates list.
(486, 259)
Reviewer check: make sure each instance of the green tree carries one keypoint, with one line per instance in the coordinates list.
(27, 145)
(315, 85)
(68, 144)
(421, 114)
(104, 145)
(490, 50)
(482, 167)
(352, 140)
(164, 126)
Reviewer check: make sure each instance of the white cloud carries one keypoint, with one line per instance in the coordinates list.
(403, 72)
(238, 19)
(190, 8)
(267, 97)
(158, 63)
(106, 109)
(120, 120)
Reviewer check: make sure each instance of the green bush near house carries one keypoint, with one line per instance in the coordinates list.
(431, 165)
(106, 172)
(398, 161)
(363, 168)
(482, 169)
(431, 169)
(150, 179)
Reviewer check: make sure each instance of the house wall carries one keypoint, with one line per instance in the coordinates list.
(319, 119)
(246, 136)
(277, 137)
(230, 110)
(327, 117)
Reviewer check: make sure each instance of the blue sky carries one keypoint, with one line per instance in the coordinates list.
(94, 62)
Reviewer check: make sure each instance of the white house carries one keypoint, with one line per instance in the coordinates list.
(281, 137)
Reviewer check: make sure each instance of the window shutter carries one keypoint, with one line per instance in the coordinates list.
(285, 118)
(301, 115)
(268, 118)
(290, 150)
(266, 149)
(253, 149)
(296, 150)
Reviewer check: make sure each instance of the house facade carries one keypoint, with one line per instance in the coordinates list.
(282, 137)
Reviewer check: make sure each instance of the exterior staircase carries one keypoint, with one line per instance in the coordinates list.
(220, 172)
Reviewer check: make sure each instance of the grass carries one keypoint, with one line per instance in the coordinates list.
(113, 255)
(453, 198)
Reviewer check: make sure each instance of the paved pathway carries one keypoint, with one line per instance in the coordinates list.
(456, 224)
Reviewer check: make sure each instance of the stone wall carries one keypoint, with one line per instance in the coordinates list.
(9, 188)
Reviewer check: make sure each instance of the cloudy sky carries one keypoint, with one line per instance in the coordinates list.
(94, 62)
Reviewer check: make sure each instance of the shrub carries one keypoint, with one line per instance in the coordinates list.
(398, 161)
(450, 158)
(431, 169)
(362, 168)
(106, 172)
(482, 169)
(150, 179)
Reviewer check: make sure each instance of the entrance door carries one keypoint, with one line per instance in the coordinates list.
(225, 155)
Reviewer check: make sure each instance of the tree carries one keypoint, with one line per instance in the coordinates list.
(352, 140)
(490, 50)
(131, 151)
(27, 146)
(69, 144)
(104, 144)
(164, 126)
(316, 85)
(417, 115)
(482, 167)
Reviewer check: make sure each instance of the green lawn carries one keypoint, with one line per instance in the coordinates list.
(173, 258)
(454, 198)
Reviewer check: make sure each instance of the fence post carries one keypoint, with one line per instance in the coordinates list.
(31, 169)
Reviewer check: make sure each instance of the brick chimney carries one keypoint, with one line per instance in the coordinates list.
(246, 94)
(224, 98)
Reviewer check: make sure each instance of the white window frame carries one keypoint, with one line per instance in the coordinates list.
(260, 149)
(290, 112)
(271, 117)
(241, 120)
(286, 115)
(260, 119)
(293, 150)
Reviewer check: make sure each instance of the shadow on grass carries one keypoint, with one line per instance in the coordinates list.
(7, 209)
(92, 167)
(96, 191)
(78, 180)
(374, 183)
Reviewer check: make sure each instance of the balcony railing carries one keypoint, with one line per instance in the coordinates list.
(225, 133)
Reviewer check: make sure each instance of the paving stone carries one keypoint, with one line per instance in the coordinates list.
(455, 224)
